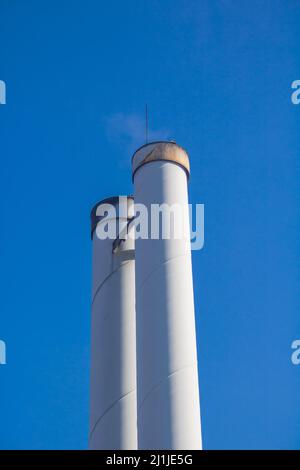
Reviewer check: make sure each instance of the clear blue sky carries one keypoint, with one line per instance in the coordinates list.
(216, 76)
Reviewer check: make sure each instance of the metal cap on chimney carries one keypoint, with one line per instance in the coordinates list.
(160, 151)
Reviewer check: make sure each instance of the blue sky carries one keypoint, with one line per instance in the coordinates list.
(217, 78)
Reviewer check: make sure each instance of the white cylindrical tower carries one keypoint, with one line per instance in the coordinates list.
(113, 350)
(168, 408)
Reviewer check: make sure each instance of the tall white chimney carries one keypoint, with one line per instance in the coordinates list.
(113, 350)
(168, 410)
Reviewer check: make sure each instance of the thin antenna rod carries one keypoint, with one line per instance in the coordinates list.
(146, 124)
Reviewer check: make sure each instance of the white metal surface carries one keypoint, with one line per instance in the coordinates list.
(113, 351)
(168, 408)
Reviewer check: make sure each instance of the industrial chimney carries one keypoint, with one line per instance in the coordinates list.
(168, 411)
(113, 350)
